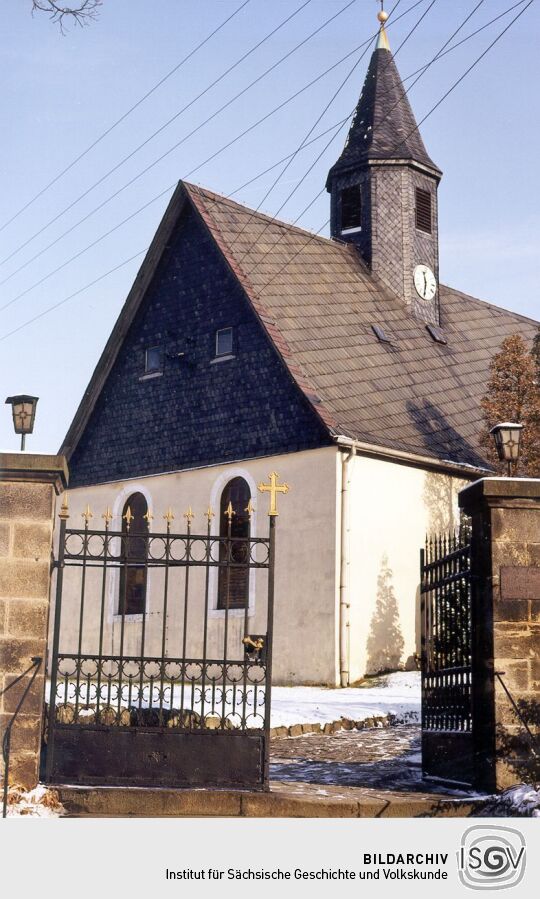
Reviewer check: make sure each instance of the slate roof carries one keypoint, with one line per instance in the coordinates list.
(384, 126)
(318, 302)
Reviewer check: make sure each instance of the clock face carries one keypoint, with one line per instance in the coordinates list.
(425, 282)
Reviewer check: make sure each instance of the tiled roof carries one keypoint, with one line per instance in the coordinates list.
(318, 302)
(384, 126)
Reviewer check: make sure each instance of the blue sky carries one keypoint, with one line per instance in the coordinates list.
(60, 92)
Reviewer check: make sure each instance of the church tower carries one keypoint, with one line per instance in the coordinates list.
(384, 189)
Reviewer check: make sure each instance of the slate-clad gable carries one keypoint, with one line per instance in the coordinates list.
(198, 412)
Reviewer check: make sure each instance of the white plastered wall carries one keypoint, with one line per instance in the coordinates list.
(393, 507)
(307, 566)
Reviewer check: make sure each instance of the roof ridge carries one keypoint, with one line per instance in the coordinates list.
(272, 220)
(502, 309)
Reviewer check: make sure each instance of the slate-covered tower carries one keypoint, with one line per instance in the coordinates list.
(384, 189)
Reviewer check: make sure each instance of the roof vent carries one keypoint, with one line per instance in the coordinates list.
(381, 334)
(437, 334)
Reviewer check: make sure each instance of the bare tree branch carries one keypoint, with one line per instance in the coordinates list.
(81, 13)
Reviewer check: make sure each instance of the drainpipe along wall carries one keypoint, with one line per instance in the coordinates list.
(344, 580)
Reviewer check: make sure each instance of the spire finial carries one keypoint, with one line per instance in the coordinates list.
(382, 43)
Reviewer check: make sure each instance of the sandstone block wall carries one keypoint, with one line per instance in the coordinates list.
(506, 609)
(28, 488)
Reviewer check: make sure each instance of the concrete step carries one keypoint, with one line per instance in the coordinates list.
(282, 801)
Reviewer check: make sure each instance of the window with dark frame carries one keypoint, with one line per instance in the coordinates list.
(133, 570)
(153, 360)
(351, 208)
(423, 210)
(224, 342)
(233, 583)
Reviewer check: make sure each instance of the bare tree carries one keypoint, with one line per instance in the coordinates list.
(81, 13)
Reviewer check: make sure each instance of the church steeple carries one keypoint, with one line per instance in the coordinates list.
(384, 185)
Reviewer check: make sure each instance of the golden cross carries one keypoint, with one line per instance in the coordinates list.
(273, 488)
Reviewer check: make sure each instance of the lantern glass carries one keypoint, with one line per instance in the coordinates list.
(507, 436)
(23, 408)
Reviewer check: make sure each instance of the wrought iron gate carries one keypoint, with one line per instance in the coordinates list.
(447, 715)
(178, 695)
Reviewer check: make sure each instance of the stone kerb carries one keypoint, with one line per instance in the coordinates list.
(506, 626)
(28, 488)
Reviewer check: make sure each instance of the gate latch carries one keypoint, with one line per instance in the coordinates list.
(254, 646)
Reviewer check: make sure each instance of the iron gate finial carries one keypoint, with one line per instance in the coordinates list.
(87, 515)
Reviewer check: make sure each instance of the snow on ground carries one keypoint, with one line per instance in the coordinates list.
(397, 694)
(38, 803)
(522, 801)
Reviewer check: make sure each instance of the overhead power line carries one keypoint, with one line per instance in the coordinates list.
(326, 147)
(303, 142)
(423, 68)
(184, 109)
(434, 59)
(125, 115)
(76, 293)
(310, 169)
(312, 235)
(196, 168)
(466, 73)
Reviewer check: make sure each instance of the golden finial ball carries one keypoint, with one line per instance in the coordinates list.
(382, 16)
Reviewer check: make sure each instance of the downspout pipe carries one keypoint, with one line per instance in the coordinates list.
(344, 580)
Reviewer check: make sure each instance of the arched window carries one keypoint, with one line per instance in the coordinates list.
(233, 589)
(133, 573)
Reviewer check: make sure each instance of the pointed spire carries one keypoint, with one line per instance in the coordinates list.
(382, 42)
(384, 126)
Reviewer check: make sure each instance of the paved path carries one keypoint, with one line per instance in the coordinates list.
(375, 763)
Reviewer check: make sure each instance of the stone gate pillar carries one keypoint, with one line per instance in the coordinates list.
(505, 550)
(29, 485)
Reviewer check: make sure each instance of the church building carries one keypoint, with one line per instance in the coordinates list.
(248, 345)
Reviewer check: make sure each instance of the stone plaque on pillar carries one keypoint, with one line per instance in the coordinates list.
(520, 582)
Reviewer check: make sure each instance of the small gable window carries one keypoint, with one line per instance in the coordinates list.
(224, 342)
(153, 360)
(351, 208)
(423, 210)
(134, 570)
